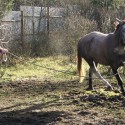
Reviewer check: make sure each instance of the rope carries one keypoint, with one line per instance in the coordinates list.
(72, 73)
(61, 71)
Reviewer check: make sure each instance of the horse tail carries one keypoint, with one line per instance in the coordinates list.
(79, 66)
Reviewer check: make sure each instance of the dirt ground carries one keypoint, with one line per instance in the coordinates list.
(45, 102)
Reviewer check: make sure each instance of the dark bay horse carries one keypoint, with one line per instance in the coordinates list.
(105, 49)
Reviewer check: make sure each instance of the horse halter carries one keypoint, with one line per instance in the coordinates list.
(123, 33)
(120, 29)
(120, 24)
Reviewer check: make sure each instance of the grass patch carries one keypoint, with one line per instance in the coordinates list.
(50, 67)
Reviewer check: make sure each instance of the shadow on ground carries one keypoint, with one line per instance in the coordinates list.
(58, 103)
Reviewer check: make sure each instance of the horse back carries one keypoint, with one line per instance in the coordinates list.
(94, 47)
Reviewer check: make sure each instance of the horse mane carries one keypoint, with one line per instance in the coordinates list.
(118, 23)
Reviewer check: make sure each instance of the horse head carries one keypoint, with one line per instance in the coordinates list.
(120, 29)
(119, 36)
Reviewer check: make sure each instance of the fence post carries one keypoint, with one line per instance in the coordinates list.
(48, 18)
(33, 25)
(22, 32)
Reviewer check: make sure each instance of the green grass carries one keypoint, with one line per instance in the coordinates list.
(54, 67)
(35, 86)
(50, 67)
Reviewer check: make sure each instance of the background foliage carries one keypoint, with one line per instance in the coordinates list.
(90, 15)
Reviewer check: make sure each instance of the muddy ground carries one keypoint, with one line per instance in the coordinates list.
(46, 102)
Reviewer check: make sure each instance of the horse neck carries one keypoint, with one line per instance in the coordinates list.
(117, 38)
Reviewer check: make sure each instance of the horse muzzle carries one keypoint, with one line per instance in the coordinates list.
(123, 39)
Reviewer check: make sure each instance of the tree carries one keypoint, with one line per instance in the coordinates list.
(5, 5)
(108, 4)
(103, 11)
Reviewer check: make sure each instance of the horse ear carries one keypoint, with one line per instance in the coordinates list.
(118, 20)
(116, 23)
(123, 20)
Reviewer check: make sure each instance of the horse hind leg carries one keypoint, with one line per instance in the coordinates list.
(90, 80)
(90, 74)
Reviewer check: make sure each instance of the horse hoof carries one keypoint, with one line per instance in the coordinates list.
(89, 89)
(123, 93)
(116, 91)
(109, 88)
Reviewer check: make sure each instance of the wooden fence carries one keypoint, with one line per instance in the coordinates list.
(30, 21)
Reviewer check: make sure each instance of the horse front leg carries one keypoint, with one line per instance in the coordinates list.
(119, 79)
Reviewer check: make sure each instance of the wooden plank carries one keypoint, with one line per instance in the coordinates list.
(22, 31)
(9, 21)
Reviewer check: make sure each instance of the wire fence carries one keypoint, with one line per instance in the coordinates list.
(5, 35)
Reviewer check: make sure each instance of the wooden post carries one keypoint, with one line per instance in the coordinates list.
(40, 21)
(33, 25)
(22, 32)
(48, 18)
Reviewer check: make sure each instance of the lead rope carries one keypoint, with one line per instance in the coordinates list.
(56, 70)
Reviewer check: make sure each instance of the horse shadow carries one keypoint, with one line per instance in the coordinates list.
(31, 115)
